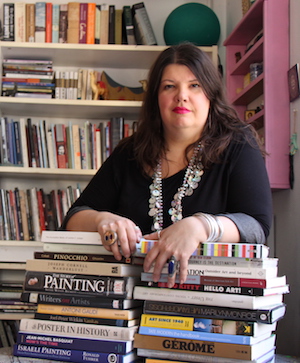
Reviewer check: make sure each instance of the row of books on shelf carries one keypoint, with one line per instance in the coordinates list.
(135, 319)
(36, 78)
(26, 213)
(77, 22)
(42, 144)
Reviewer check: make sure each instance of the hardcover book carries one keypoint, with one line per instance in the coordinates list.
(106, 346)
(112, 287)
(206, 298)
(143, 30)
(73, 299)
(40, 22)
(205, 348)
(266, 315)
(77, 330)
(90, 268)
(215, 326)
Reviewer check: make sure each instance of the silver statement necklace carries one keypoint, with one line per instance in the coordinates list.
(190, 182)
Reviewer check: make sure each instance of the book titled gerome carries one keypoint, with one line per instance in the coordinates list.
(249, 250)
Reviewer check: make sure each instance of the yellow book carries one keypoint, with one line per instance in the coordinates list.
(167, 321)
(91, 312)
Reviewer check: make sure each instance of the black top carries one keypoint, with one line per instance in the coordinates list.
(237, 185)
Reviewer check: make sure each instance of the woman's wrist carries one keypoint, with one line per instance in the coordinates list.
(214, 224)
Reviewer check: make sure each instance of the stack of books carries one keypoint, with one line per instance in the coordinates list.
(85, 310)
(226, 311)
(27, 78)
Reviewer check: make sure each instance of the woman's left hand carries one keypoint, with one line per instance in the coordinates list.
(179, 240)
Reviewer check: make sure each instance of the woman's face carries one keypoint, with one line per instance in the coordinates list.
(182, 102)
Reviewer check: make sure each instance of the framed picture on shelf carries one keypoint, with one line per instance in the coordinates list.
(249, 114)
(293, 79)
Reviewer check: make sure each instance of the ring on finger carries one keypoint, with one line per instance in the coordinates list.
(172, 266)
(110, 237)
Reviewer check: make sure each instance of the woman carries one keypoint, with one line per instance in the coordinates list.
(192, 172)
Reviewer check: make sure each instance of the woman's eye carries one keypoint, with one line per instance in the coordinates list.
(196, 85)
(168, 86)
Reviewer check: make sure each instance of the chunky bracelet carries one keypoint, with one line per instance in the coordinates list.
(216, 228)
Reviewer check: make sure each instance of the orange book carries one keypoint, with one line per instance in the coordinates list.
(48, 37)
(90, 30)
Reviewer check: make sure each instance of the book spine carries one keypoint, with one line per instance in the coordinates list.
(48, 28)
(104, 24)
(143, 28)
(213, 288)
(196, 270)
(83, 311)
(111, 287)
(83, 11)
(34, 351)
(111, 24)
(158, 356)
(204, 348)
(79, 330)
(100, 268)
(196, 335)
(120, 347)
(73, 22)
(8, 22)
(90, 30)
(60, 145)
(87, 320)
(55, 23)
(63, 23)
(198, 297)
(20, 22)
(128, 26)
(213, 312)
(40, 22)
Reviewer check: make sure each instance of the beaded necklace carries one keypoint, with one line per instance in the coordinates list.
(190, 182)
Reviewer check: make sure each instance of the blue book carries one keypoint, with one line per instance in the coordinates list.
(69, 355)
(196, 335)
(105, 346)
(40, 22)
(55, 23)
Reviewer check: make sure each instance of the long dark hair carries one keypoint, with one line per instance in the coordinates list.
(222, 125)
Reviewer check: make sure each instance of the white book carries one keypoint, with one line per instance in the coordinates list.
(227, 271)
(40, 22)
(78, 330)
(206, 298)
(24, 146)
(35, 214)
(20, 22)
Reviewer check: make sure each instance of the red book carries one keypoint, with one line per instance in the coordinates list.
(41, 208)
(83, 13)
(61, 145)
(48, 37)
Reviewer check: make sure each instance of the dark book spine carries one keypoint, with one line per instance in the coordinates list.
(261, 316)
(111, 24)
(121, 347)
(121, 287)
(82, 319)
(251, 291)
(8, 22)
(78, 300)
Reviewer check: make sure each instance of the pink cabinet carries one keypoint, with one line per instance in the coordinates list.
(261, 41)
